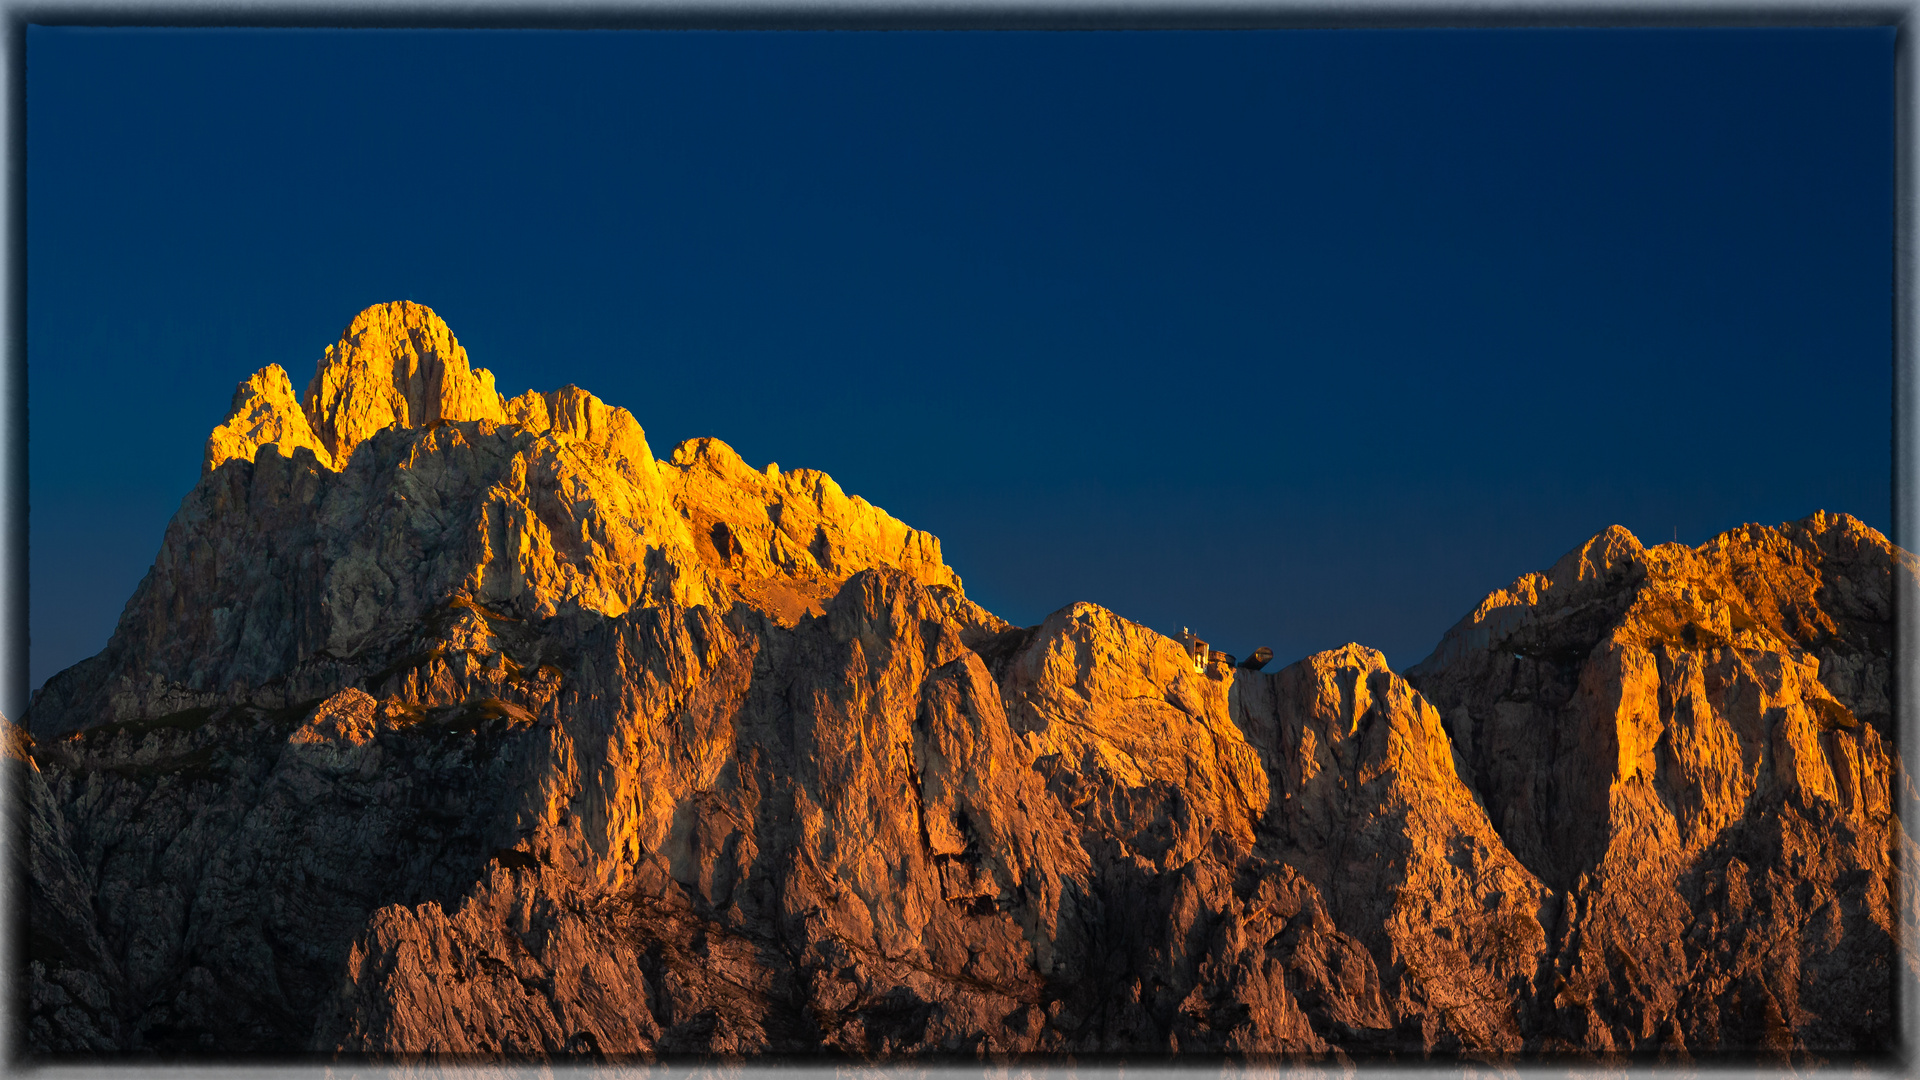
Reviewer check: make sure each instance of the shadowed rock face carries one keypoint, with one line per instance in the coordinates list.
(454, 724)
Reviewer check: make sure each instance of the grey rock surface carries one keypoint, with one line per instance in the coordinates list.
(493, 738)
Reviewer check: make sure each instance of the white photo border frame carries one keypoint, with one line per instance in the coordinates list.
(1066, 15)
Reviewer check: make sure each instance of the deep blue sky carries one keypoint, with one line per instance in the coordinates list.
(1295, 338)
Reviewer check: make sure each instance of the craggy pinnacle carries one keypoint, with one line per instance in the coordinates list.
(458, 725)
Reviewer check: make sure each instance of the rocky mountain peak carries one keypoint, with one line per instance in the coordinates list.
(406, 482)
(1632, 703)
(264, 413)
(465, 726)
(1608, 558)
(395, 363)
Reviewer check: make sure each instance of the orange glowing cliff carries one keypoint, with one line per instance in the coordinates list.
(456, 724)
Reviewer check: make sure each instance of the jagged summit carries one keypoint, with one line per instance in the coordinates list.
(395, 364)
(398, 364)
(1819, 589)
(329, 530)
(264, 414)
(457, 725)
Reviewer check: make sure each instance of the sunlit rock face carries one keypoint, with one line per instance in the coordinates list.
(264, 413)
(322, 535)
(1694, 747)
(451, 723)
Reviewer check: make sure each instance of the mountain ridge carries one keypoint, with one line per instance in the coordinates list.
(576, 512)
(463, 725)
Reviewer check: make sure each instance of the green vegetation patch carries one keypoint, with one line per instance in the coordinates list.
(477, 608)
(410, 662)
(291, 716)
(544, 673)
(1832, 713)
(403, 714)
(473, 716)
(184, 720)
(196, 765)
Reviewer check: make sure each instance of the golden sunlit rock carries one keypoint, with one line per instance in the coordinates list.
(395, 364)
(264, 414)
(464, 727)
(1692, 746)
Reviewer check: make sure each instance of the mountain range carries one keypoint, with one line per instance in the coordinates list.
(453, 724)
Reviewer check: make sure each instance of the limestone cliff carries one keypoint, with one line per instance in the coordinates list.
(453, 724)
(311, 549)
(264, 413)
(1693, 746)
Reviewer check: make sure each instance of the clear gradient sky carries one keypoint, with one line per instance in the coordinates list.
(1294, 337)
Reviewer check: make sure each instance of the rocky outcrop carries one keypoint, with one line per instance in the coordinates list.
(395, 365)
(716, 833)
(264, 413)
(1693, 747)
(489, 734)
(281, 579)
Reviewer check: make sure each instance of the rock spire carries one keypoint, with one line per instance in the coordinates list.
(395, 365)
